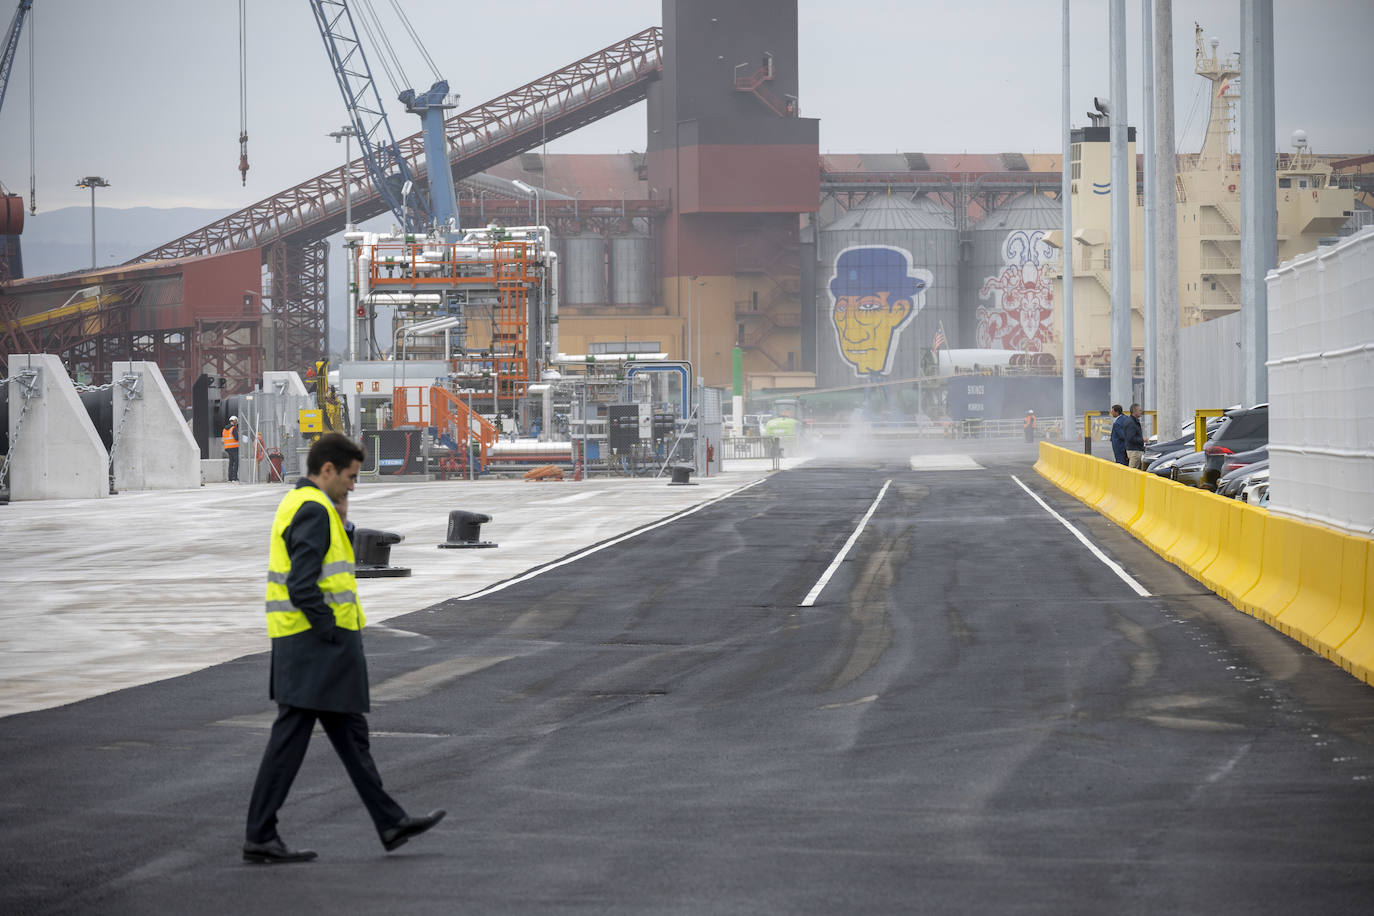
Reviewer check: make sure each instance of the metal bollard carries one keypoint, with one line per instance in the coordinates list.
(372, 554)
(465, 529)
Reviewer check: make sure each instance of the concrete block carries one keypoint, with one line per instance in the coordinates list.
(214, 470)
(280, 382)
(58, 453)
(154, 449)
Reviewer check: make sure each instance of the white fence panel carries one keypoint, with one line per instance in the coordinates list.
(1321, 385)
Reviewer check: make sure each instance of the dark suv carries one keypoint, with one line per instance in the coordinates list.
(1241, 431)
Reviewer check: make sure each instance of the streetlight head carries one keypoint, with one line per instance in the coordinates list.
(524, 187)
(93, 181)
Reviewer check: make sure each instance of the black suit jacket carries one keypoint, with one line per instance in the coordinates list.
(323, 667)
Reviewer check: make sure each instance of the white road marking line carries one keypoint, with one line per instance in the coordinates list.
(859, 702)
(944, 463)
(1106, 560)
(525, 577)
(811, 596)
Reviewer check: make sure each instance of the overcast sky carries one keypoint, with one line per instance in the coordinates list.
(145, 92)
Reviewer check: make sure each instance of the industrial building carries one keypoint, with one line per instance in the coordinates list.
(729, 232)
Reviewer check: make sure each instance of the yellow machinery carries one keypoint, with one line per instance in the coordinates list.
(327, 417)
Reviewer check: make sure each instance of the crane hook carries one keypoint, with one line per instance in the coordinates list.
(243, 157)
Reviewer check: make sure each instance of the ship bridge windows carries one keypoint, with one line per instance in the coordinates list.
(1285, 182)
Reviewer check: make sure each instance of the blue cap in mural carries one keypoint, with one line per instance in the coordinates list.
(860, 271)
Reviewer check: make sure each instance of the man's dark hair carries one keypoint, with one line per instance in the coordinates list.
(333, 448)
(1116, 409)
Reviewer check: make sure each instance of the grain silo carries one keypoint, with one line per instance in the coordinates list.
(886, 280)
(1010, 304)
(631, 269)
(585, 274)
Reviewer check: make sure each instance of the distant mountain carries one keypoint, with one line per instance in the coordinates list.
(58, 241)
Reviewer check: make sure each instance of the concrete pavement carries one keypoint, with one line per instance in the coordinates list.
(111, 593)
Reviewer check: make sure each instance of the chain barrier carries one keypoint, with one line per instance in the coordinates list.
(132, 386)
(30, 390)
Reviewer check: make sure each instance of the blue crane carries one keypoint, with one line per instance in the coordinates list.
(430, 106)
(389, 170)
(11, 44)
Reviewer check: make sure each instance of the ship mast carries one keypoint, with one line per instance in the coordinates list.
(1223, 73)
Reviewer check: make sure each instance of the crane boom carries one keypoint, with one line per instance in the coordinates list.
(11, 45)
(388, 169)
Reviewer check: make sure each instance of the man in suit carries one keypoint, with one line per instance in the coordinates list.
(319, 671)
(1119, 420)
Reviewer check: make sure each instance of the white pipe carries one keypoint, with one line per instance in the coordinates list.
(551, 272)
(404, 299)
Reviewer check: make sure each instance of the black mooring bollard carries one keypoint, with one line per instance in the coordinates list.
(682, 474)
(372, 554)
(465, 529)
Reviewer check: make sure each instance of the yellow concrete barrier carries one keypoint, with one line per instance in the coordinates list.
(1170, 528)
(1357, 597)
(1154, 495)
(1097, 481)
(1356, 653)
(1312, 583)
(1125, 497)
(1236, 567)
(1200, 532)
(1321, 553)
(1280, 561)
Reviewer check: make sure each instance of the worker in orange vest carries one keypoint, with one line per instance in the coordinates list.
(1029, 426)
(230, 437)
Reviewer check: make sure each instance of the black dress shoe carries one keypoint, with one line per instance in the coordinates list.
(273, 852)
(392, 837)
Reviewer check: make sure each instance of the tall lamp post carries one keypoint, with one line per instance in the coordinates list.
(93, 182)
(346, 134)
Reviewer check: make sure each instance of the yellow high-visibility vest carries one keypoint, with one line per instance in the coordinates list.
(336, 581)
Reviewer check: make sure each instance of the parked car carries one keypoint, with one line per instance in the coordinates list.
(1164, 464)
(1257, 491)
(1186, 441)
(1188, 469)
(1238, 468)
(1242, 431)
(1233, 482)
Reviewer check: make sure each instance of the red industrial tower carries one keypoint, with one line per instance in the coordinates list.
(738, 165)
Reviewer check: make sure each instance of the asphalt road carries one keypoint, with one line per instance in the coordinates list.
(976, 715)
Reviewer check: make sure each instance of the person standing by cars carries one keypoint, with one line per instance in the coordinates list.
(319, 671)
(1135, 437)
(230, 438)
(1118, 434)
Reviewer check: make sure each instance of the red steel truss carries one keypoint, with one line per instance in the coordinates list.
(549, 107)
(290, 227)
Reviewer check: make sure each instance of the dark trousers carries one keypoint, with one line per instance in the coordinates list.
(233, 454)
(286, 747)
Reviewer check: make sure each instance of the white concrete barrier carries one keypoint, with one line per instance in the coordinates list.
(153, 447)
(55, 451)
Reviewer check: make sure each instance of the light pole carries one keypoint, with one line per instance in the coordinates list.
(93, 182)
(532, 192)
(346, 134)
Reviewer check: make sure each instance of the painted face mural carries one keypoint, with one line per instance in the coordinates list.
(874, 294)
(1020, 315)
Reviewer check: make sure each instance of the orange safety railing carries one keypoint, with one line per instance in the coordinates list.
(445, 411)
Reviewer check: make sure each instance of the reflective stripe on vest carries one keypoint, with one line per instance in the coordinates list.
(336, 582)
(230, 437)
